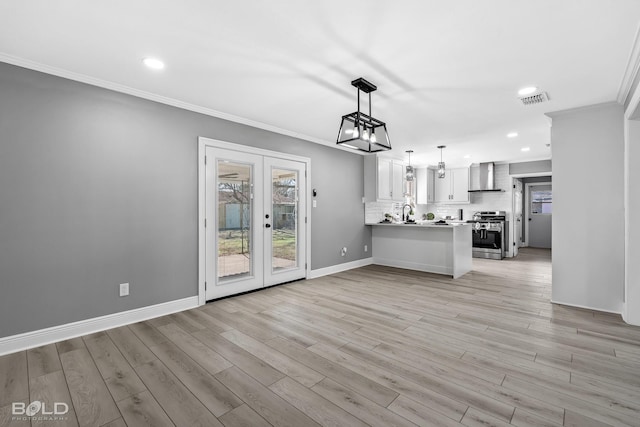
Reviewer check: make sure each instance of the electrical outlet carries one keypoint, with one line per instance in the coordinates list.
(366, 248)
(124, 289)
(343, 252)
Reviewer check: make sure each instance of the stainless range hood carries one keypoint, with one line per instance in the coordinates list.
(487, 178)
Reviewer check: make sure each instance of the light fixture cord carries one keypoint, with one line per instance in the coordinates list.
(358, 116)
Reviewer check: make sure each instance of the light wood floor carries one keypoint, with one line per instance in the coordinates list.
(372, 346)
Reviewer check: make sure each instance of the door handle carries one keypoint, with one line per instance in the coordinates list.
(267, 225)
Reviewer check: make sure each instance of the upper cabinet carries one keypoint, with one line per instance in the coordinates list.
(453, 188)
(425, 189)
(383, 179)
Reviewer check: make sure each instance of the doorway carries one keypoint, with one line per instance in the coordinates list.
(254, 227)
(539, 211)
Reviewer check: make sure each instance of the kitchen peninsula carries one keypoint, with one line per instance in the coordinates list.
(443, 249)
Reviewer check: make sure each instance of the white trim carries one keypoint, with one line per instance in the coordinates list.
(202, 246)
(27, 340)
(586, 307)
(514, 245)
(553, 114)
(338, 268)
(631, 71)
(530, 174)
(204, 142)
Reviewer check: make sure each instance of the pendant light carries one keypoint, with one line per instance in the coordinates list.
(409, 171)
(360, 131)
(441, 163)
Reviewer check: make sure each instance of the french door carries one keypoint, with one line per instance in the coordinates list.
(255, 212)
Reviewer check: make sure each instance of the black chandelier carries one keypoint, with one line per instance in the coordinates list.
(361, 131)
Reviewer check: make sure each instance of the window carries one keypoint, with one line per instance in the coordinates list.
(541, 202)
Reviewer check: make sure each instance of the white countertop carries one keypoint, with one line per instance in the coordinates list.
(420, 224)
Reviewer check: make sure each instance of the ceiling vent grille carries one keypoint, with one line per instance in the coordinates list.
(535, 98)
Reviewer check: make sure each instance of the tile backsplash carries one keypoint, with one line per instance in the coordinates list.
(374, 211)
(484, 201)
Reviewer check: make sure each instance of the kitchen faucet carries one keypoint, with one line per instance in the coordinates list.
(406, 218)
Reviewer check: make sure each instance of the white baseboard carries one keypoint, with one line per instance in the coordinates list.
(586, 307)
(340, 267)
(27, 340)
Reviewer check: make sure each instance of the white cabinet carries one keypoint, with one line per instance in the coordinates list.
(460, 185)
(454, 187)
(424, 186)
(397, 180)
(383, 179)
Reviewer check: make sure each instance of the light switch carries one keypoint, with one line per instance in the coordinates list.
(315, 203)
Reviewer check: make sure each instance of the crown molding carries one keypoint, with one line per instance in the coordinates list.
(82, 78)
(633, 66)
(553, 114)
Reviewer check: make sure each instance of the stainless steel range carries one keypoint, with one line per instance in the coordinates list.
(490, 234)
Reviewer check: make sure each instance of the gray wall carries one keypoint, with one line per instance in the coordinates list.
(523, 168)
(99, 188)
(588, 244)
(534, 179)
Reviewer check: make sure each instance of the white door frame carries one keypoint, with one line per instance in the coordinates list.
(514, 224)
(527, 207)
(208, 142)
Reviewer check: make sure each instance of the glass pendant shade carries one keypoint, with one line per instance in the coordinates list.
(409, 175)
(408, 170)
(441, 163)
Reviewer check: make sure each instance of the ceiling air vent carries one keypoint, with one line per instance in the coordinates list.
(535, 98)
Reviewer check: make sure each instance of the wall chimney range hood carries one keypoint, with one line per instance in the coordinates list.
(487, 178)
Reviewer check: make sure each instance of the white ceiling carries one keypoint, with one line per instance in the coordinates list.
(447, 72)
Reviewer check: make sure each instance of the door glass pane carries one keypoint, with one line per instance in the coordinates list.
(284, 237)
(541, 202)
(235, 207)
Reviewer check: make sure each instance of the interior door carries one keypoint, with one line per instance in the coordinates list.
(284, 220)
(540, 211)
(255, 214)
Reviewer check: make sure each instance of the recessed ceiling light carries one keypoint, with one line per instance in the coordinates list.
(527, 90)
(525, 149)
(153, 63)
(512, 134)
(468, 156)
